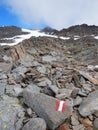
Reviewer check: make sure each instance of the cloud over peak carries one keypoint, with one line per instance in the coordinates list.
(55, 13)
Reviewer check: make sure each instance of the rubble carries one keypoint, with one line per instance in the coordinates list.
(40, 71)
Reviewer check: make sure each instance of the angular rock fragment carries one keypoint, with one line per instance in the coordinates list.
(45, 107)
(54, 88)
(2, 88)
(74, 121)
(13, 90)
(90, 78)
(78, 127)
(89, 105)
(96, 123)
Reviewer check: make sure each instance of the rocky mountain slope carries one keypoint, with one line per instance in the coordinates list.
(78, 30)
(49, 81)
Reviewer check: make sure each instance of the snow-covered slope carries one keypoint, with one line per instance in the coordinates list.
(19, 38)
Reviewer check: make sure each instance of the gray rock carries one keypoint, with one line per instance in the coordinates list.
(47, 91)
(41, 69)
(54, 88)
(63, 95)
(19, 70)
(3, 76)
(78, 127)
(96, 123)
(5, 67)
(45, 107)
(33, 87)
(29, 111)
(87, 87)
(27, 61)
(35, 124)
(83, 92)
(1, 70)
(13, 90)
(70, 86)
(77, 101)
(43, 82)
(2, 88)
(82, 80)
(48, 58)
(96, 68)
(74, 121)
(89, 105)
(21, 114)
(66, 91)
(19, 124)
(75, 92)
(9, 108)
(7, 59)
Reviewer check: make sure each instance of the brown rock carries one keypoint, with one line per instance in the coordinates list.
(20, 51)
(87, 122)
(88, 128)
(89, 77)
(63, 127)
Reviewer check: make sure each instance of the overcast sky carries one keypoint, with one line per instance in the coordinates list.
(54, 13)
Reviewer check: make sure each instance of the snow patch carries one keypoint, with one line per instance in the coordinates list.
(36, 33)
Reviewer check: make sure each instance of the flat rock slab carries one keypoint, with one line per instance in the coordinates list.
(45, 107)
(89, 105)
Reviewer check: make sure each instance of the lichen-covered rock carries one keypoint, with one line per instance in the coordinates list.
(9, 108)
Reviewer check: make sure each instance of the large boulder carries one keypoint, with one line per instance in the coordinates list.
(89, 105)
(45, 107)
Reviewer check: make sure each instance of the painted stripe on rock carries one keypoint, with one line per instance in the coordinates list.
(60, 106)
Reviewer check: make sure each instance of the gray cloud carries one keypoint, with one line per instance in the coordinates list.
(55, 13)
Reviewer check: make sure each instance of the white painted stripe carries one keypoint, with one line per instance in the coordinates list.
(61, 106)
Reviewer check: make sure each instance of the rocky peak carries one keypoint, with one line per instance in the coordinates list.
(49, 30)
(10, 31)
(79, 30)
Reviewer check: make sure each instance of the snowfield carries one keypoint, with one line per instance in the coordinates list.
(19, 38)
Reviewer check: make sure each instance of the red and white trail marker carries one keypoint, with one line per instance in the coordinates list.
(61, 106)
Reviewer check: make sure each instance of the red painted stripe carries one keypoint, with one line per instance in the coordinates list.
(57, 105)
(64, 107)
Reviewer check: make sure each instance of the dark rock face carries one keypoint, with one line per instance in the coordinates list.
(10, 31)
(80, 30)
(49, 30)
